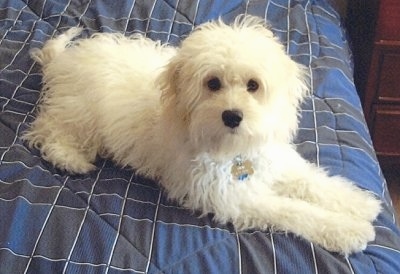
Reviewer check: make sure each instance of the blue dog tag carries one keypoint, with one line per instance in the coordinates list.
(241, 170)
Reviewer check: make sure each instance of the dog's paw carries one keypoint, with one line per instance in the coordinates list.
(363, 205)
(370, 208)
(78, 168)
(67, 159)
(346, 236)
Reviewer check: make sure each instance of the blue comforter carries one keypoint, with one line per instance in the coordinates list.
(112, 221)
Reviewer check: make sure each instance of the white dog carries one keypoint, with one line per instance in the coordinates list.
(218, 140)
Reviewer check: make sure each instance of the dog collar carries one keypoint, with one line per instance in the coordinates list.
(241, 169)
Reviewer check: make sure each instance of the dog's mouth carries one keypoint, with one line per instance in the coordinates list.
(228, 135)
(233, 131)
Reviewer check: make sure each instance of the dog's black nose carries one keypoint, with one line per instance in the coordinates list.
(232, 118)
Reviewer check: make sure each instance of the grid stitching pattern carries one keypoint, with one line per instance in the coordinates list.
(115, 222)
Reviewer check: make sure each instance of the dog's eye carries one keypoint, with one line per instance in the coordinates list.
(252, 85)
(214, 84)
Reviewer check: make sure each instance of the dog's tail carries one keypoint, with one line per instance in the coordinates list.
(54, 46)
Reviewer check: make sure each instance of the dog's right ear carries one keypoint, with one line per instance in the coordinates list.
(168, 82)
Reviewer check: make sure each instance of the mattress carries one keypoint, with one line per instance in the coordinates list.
(114, 221)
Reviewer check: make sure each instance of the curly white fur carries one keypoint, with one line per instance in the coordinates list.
(156, 108)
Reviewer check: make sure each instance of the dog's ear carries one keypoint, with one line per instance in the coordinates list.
(298, 88)
(292, 88)
(297, 80)
(167, 81)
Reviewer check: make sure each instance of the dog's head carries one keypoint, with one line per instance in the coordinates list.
(234, 87)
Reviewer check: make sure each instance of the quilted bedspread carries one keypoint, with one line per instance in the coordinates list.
(113, 221)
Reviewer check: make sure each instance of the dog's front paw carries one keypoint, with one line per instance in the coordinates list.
(369, 207)
(360, 204)
(346, 236)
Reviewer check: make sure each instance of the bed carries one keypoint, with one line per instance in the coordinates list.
(113, 221)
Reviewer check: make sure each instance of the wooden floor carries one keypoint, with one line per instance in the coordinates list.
(393, 180)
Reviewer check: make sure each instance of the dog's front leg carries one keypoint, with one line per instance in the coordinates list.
(297, 178)
(334, 231)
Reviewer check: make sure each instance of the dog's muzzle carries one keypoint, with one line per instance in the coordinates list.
(232, 118)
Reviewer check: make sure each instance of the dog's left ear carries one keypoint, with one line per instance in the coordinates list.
(297, 81)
